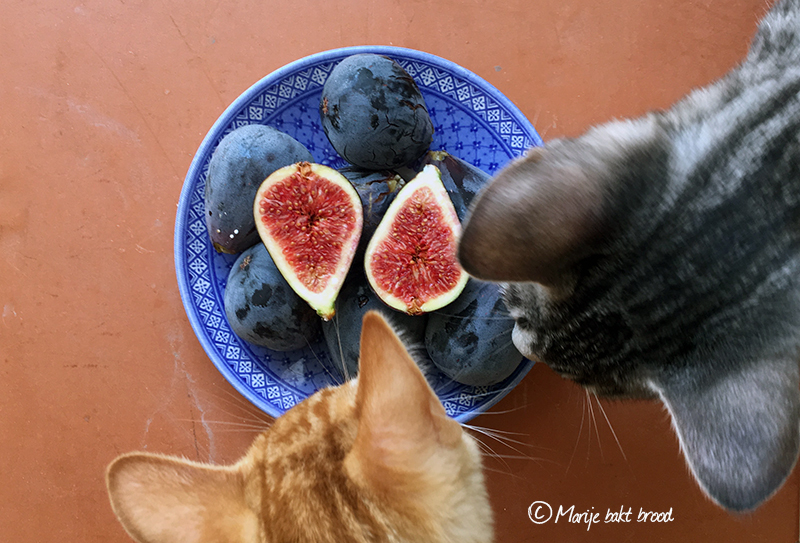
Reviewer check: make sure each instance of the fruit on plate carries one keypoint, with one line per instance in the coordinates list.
(262, 308)
(374, 114)
(376, 189)
(470, 340)
(343, 332)
(309, 217)
(313, 221)
(410, 261)
(241, 161)
(462, 180)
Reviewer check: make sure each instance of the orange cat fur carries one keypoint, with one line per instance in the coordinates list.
(373, 460)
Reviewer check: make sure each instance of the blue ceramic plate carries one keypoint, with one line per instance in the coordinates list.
(472, 121)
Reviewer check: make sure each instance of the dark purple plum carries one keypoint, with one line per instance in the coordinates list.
(263, 309)
(470, 339)
(343, 332)
(241, 161)
(462, 180)
(376, 189)
(374, 114)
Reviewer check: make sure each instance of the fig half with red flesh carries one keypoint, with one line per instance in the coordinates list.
(411, 259)
(310, 217)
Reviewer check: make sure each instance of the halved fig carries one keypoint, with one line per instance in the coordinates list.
(309, 217)
(411, 259)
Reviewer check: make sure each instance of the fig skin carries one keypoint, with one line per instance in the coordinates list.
(343, 332)
(241, 161)
(470, 340)
(376, 189)
(462, 180)
(263, 309)
(374, 114)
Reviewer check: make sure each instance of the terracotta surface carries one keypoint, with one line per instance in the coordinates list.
(103, 104)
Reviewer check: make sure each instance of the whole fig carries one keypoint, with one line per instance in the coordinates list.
(374, 114)
(470, 339)
(343, 332)
(263, 309)
(241, 161)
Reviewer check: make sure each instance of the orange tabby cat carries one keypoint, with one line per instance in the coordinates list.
(373, 460)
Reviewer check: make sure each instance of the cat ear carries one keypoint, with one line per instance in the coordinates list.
(532, 221)
(549, 209)
(160, 499)
(401, 421)
(740, 433)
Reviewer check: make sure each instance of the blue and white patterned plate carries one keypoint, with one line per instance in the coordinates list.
(472, 120)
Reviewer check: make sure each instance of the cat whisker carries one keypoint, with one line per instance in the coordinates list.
(334, 378)
(233, 399)
(503, 411)
(500, 435)
(479, 438)
(501, 334)
(603, 411)
(504, 441)
(239, 425)
(580, 432)
(457, 393)
(502, 432)
(593, 422)
(245, 431)
(491, 390)
(489, 452)
(502, 458)
(503, 472)
(504, 346)
(258, 418)
(236, 431)
(242, 404)
(518, 457)
(240, 422)
(495, 435)
(345, 371)
(497, 318)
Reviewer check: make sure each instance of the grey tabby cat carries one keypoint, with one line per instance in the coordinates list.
(660, 257)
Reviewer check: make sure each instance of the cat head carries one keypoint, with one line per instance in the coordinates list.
(660, 257)
(375, 459)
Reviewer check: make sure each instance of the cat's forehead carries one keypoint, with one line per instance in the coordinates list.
(332, 407)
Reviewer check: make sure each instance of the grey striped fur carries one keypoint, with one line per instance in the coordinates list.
(660, 257)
